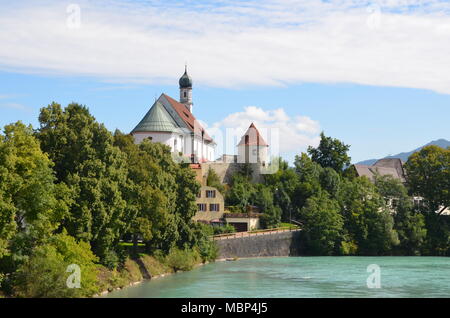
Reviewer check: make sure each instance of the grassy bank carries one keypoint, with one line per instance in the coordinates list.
(147, 267)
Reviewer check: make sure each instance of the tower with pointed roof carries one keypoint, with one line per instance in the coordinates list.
(186, 90)
(252, 148)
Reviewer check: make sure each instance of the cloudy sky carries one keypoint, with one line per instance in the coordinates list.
(375, 74)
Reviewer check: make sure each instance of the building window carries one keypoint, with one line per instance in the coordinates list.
(175, 144)
(202, 207)
(185, 94)
(210, 193)
(199, 194)
(214, 207)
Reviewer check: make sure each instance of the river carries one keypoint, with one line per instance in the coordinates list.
(303, 277)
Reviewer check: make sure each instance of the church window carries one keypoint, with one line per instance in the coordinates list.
(185, 94)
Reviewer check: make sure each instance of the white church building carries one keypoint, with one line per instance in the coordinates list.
(172, 123)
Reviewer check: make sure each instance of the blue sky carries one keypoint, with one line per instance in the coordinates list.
(375, 74)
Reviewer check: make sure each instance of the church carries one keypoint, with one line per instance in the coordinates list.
(172, 123)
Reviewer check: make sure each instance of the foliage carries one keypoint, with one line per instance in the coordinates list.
(45, 274)
(182, 259)
(408, 223)
(27, 191)
(330, 153)
(323, 224)
(428, 174)
(225, 229)
(241, 192)
(212, 180)
(86, 160)
(368, 223)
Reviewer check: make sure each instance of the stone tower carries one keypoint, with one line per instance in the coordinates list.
(186, 90)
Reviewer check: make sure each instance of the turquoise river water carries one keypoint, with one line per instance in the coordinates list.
(303, 277)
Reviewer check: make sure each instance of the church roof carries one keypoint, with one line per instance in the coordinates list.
(189, 119)
(254, 138)
(185, 80)
(157, 119)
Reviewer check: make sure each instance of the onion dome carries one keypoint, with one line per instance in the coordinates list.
(185, 80)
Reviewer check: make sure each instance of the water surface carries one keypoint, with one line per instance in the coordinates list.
(303, 277)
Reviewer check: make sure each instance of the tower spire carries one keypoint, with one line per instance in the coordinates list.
(186, 89)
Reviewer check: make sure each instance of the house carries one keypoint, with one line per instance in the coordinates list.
(172, 123)
(383, 167)
(392, 167)
(210, 204)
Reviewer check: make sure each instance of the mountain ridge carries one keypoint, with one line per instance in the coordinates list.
(443, 143)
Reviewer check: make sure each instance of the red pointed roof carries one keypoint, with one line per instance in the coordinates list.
(190, 120)
(253, 138)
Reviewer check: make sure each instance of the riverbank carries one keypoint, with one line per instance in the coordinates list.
(136, 271)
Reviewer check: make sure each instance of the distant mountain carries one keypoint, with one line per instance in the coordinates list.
(405, 155)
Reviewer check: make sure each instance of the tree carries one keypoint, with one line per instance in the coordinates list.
(45, 273)
(367, 221)
(28, 195)
(409, 224)
(212, 180)
(428, 176)
(96, 171)
(241, 192)
(283, 184)
(330, 153)
(263, 199)
(322, 224)
(308, 173)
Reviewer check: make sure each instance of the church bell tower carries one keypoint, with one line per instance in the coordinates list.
(186, 90)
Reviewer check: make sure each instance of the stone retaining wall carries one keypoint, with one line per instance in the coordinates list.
(279, 244)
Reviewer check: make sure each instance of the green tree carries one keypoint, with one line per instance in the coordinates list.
(284, 183)
(28, 195)
(86, 160)
(241, 192)
(367, 221)
(408, 223)
(330, 153)
(263, 199)
(212, 180)
(322, 224)
(45, 273)
(309, 185)
(428, 176)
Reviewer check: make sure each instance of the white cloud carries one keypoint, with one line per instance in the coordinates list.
(234, 43)
(283, 133)
(16, 106)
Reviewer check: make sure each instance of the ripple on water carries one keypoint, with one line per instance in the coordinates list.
(303, 277)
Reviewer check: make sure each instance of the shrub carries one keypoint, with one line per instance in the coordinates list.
(45, 274)
(182, 259)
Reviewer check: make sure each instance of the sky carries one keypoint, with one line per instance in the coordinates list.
(374, 74)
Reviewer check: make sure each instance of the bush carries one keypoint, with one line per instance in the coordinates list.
(227, 228)
(45, 273)
(182, 259)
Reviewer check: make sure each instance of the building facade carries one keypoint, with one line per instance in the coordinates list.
(172, 123)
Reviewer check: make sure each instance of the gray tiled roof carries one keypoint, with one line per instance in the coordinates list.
(157, 120)
(392, 167)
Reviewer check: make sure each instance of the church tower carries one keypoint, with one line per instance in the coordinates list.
(186, 90)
